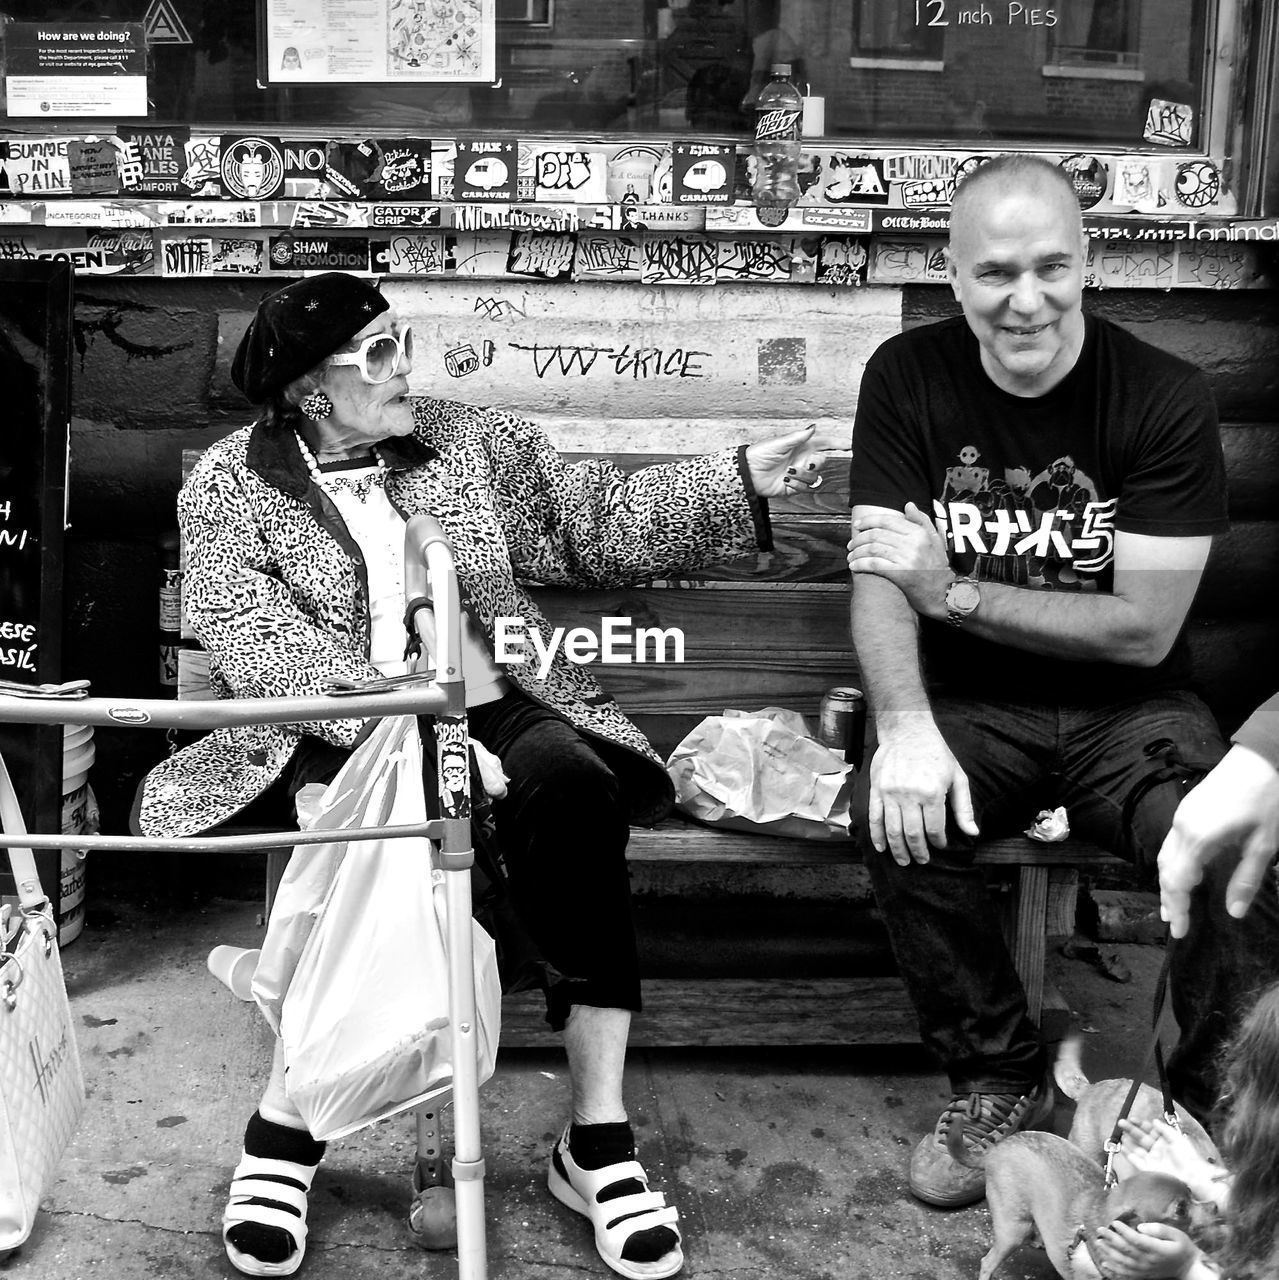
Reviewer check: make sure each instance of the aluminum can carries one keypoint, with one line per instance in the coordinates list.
(841, 722)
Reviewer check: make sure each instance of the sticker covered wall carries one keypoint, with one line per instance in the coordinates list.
(503, 207)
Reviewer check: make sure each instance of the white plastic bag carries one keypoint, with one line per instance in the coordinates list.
(762, 771)
(359, 794)
(364, 1016)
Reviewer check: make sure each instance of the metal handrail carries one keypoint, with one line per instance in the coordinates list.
(427, 554)
(218, 713)
(242, 842)
(426, 548)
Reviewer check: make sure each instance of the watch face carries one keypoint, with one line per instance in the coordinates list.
(963, 597)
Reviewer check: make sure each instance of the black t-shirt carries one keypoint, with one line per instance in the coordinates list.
(1030, 491)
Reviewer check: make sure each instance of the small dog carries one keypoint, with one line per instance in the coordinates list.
(1097, 1108)
(1039, 1182)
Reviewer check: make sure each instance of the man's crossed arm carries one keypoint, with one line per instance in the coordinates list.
(1135, 624)
(901, 572)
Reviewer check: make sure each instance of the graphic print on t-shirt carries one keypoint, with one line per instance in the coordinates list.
(1040, 523)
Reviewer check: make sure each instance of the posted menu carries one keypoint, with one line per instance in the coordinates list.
(340, 41)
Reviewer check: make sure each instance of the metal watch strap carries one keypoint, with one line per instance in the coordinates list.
(955, 617)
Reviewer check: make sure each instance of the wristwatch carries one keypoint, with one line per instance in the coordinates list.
(962, 598)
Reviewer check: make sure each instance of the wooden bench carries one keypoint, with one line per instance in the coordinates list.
(854, 1009)
(772, 630)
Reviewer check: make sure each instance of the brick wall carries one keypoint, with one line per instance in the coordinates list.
(1117, 100)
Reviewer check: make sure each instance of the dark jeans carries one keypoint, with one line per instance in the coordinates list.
(563, 830)
(1020, 757)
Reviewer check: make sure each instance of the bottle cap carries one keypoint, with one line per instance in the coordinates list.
(781, 69)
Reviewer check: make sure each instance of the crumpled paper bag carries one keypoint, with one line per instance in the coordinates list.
(762, 771)
(1050, 826)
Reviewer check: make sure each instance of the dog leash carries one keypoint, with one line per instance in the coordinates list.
(1156, 1052)
(1168, 766)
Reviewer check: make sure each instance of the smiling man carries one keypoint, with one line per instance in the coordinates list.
(1016, 263)
(1034, 495)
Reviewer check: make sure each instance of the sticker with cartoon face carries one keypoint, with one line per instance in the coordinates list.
(454, 766)
(252, 168)
(1198, 184)
(842, 260)
(1139, 184)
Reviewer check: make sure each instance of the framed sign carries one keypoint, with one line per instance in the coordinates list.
(376, 41)
(76, 69)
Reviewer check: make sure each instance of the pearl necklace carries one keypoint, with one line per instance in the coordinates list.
(360, 487)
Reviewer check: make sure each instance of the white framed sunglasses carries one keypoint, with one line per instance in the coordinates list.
(378, 357)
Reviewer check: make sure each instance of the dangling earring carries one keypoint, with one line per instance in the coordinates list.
(316, 406)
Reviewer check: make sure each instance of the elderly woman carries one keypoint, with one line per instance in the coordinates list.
(294, 531)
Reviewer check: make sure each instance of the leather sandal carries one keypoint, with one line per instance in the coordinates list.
(615, 1221)
(258, 1198)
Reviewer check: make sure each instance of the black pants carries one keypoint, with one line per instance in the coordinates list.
(562, 830)
(944, 931)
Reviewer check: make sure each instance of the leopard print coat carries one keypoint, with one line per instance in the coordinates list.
(276, 589)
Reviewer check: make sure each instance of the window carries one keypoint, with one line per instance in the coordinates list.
(884, 29)
(527, 13)
(1103, 33)
(1082, 72)
(1085, 74)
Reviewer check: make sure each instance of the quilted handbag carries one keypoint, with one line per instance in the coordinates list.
(41, 1086)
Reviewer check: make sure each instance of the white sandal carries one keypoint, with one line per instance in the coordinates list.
(615, 1221)
(254, 1180)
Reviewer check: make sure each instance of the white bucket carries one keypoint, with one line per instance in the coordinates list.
(75, 765)
(79, 817)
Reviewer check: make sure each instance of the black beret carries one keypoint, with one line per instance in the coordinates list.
(295, 328)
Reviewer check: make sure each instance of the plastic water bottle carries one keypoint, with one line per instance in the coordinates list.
(778, 114)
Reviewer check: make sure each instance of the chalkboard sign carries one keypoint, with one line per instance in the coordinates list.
(35, 374)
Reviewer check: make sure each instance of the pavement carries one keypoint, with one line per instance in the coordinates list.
(783, 1163)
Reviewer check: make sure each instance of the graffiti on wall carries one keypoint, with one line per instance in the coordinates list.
(634, 363)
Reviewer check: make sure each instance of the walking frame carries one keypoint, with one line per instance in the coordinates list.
(436, 625)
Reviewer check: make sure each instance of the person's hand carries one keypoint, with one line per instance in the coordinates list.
(913, 776)
(491, 772)
(1234, 810)
(904, 547)
(1154, 1146)
(787, 464)
(1149, 1250)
